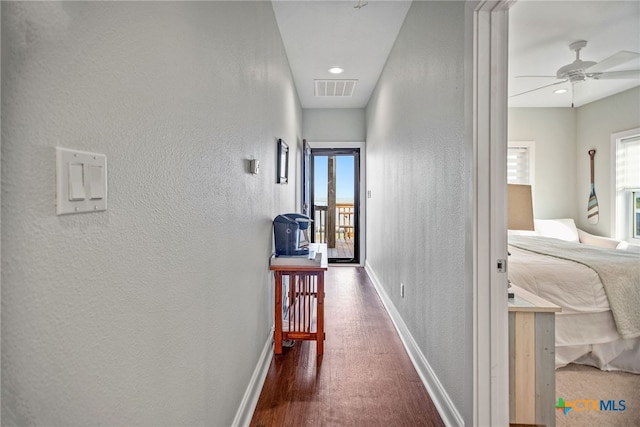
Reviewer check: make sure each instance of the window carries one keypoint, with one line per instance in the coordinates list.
(625, 147)
(636, 214)
(520, 162)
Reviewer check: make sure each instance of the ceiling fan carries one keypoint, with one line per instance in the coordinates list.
(579, 71)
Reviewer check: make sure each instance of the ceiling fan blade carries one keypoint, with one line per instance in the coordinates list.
(538, 88)
(622, 74)
(613, 61)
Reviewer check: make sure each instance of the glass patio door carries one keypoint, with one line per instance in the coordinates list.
(334, 189)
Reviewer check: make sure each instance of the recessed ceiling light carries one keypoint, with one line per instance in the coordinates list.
(336, 70)
(559, 91)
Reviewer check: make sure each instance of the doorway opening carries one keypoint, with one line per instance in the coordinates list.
(334, 184)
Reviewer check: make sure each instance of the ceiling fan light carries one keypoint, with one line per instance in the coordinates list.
(559, 91)
(360, 4)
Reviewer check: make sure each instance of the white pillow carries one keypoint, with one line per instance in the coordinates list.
(563, 229)
(623, 246)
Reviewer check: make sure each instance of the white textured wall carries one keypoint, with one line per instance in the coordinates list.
(335, 124)
(419, 173)
(554, 133)
(154, 312)
(595, 123)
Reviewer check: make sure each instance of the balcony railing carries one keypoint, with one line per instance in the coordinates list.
(344, 220)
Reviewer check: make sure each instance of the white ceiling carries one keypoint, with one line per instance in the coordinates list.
(539, 36)
(320, 34)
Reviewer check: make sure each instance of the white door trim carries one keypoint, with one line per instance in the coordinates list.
(490, 333)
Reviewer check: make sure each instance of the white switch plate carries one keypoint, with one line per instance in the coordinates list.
(254, 165)
(89, 187)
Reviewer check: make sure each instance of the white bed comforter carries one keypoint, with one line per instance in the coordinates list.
(574, 287)
(618, 271)
(585, 329)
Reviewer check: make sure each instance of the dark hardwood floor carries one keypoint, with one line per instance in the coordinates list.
(364, 378)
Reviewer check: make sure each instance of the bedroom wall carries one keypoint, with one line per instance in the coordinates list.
(156, 311)
(335, 124)
(563, 136)
(419, 150)
(595, 123)
(554, 133)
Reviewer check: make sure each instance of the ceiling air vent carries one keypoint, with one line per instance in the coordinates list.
(333, 88)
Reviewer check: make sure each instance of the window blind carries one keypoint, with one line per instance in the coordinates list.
(518, 165)
(628, 163)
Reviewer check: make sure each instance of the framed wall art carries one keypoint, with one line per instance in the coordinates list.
(283, 162)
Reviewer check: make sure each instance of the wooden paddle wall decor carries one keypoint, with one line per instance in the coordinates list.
(593, 211)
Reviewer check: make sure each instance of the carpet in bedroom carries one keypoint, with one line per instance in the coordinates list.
(580, 382)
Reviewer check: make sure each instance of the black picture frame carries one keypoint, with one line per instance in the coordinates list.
(283, 162)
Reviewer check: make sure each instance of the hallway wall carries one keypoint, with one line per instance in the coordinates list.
(334, 124)
(154, 312)
(419, 157)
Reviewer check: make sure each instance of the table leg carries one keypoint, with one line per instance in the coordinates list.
(320, 313)
(277, 334)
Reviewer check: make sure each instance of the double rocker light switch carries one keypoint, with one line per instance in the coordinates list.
(81, 181)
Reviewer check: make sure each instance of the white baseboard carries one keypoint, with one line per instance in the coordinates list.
(252, 394)
(443, 403)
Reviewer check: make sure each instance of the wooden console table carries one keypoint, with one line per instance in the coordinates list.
(532, 375)
(301, 315)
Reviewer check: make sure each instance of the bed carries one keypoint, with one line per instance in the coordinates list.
(596, 283)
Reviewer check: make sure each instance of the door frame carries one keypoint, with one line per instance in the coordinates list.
(361, 193)
(490, 118)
